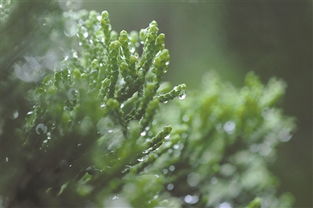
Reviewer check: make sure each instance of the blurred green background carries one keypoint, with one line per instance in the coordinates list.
(233, 37)
(271, 38)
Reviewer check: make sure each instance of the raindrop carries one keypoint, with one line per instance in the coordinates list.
(171, 168)
(102, 105)
(15, 115)
(147, 150)
(140, 159)
(166, 101)
(229, 127)
(74, 54)
(182, 96)
(41, 129)
(144, 133)
(115, 197)
(191, 199)
(49, 135)
(167, 63)
(29, 113)
(193, 179)
(45, 141)
(167, 137)
(186, 118)
(6, 159)
(85, 34)
(176, 146)
(165, 171)
(132, 50)
(225, 205)
(170, 186)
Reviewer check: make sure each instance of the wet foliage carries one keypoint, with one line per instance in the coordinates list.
(102, 129)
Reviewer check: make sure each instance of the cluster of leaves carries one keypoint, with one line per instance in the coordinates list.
(96, 135)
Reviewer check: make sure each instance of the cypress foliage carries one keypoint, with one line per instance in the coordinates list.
(103, 130)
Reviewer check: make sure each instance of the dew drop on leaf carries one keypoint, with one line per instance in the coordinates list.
(229, 127)
(41, 129)
(191, 199)
(171, 168)
(170, 186)
(182, 96)
(144, 133)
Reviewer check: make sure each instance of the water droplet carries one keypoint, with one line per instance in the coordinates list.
(115, 197)
(41, 129)
(166, 101)
(102, 105)
(165, 171)
(70, 165)
(229, 127)
(167, 137)
(29, 113)
(140, 159)
(157, 176)
(74, 54)
(176, 146)
(225, 205)
(191, 199)
(6, 159)
(186, 118)
(15, 115)
(85, 34)
(147, 150)
(45, 141)
(132, 50)
(144, 133)
(170, 186)
(49, 135)
(171, 168)
(167, 63)
(80, 43)
(193, 179)
(182, 96)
